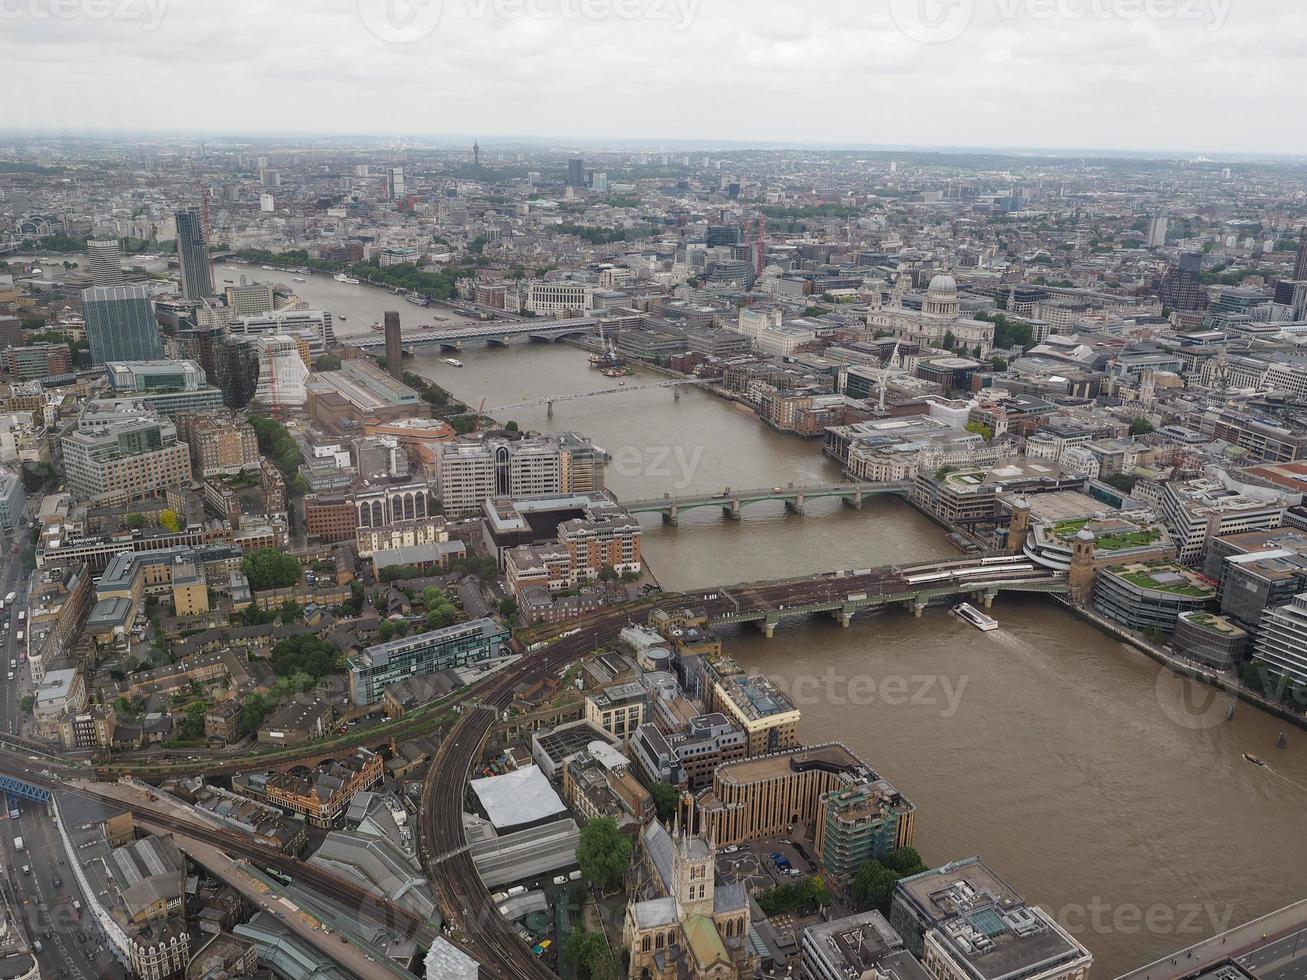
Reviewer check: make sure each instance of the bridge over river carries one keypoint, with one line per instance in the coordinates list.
(733, 501)
(453, 337)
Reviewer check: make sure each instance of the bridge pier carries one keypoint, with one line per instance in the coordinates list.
(768, 626)
(732, 510)
(987, 597)
(854, 501)
(549, 409)
(795, 505)
(672, 516)
(843, 616)
(918, 606)
(676, 393)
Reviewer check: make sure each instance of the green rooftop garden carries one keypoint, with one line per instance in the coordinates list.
(1147, 577)
(1120, 541)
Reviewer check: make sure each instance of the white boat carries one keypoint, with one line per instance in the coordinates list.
(341, 277)
(300, 279)
(452, 361)
(968, 613)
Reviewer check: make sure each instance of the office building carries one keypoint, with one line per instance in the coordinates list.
(766, 796)
(559, 298)
(1300, 263)
(105, 259)
(576, 172)
(765, 713)
(37, 361)
(250, 298)
(168, 387)
(120, 324)
(1282, 642)
(193, 255)
(1150, 596)
(221, 445)
(123, 456)
(1197, 511)
(964, 922)
(394, 345)
(363, 396)
(417, 656)
(469, 473)
(315, 325)
(1157, 228)
(13, 501)
(861, 945)
(395, 187)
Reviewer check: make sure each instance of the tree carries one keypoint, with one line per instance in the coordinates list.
(589, 957)
(254, 709)
(192, 723)
(804, 895)
(169, 521)
(510, 425)
(873, 886)
(607, 574)
(327, 362)
(1140, 426)
(998, 364)
(28, 703)
(134, 521)
(603, 853)
(980, 429)
(269, 568)
(905, 861)
(664, 797)
(304, 654)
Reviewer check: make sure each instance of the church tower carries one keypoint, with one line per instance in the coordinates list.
(693, 875)
(1081, 576)
(1019, 526)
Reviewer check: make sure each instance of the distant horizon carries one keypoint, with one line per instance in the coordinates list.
(652, 144)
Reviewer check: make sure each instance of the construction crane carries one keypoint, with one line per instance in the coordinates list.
(476, 419)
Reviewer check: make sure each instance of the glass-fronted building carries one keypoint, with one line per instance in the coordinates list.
(120, 324)
(371, 671)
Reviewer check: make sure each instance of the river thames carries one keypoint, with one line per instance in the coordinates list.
(1101, 786)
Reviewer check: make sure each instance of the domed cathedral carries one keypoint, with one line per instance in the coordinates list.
(681, 922)
(940, 317)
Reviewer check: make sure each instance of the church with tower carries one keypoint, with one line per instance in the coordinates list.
(681, 922)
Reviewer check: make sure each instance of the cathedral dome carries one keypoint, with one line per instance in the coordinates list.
(943, 283)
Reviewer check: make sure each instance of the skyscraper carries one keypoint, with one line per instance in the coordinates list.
(576, 172)
(120, 324)
(1157, 229)
(106, 264)
(394, 345)
(395, 183)
(193, 255)
(1300, 267)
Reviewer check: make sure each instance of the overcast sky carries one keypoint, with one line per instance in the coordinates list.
(1191, 75)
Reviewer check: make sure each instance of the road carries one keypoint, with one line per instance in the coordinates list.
(1273, 947)
(71, 941)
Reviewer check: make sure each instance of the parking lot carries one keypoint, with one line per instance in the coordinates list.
(753, 863)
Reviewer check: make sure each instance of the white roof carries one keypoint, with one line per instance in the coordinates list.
(521, 796)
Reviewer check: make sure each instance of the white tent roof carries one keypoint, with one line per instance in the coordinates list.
(521, 796)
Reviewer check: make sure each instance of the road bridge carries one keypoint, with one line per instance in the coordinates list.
(498, 333)
(793, 496)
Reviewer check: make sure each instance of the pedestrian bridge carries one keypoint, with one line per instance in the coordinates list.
(500, 332)
(793, 496)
